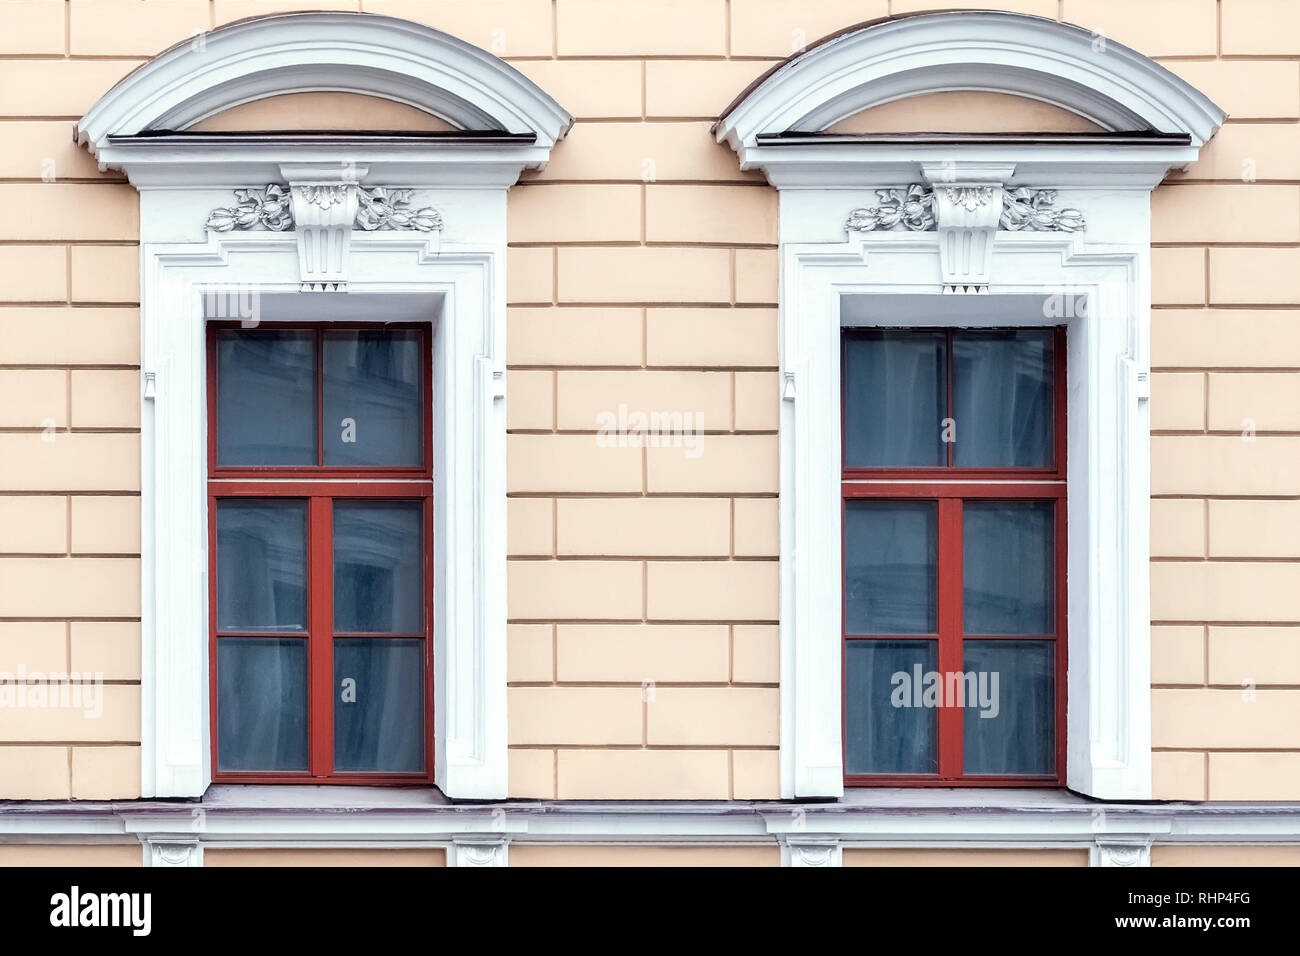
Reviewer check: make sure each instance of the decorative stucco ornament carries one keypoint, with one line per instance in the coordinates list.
(323, 216)
(271, 207)
(913, 208)
(266, 208)
(382, 208)
(967, 216)
(1030, 209)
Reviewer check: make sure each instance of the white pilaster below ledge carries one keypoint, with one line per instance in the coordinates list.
(1132, 853)
(173, 852)
(478, 851)
(814, 851)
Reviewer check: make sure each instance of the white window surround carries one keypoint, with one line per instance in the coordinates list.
(451, 273)
(1151, 122)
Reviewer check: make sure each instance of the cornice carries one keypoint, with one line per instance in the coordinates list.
(1112, 85)
(1151, 119)
(1122, 831)
(503, 122)
(306, 52)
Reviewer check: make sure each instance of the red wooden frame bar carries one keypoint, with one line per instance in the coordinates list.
(319, 470)
(319, 487)
(948, 487)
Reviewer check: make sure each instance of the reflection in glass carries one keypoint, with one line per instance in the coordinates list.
(890, 564)
(379, 705)
(1017, 735)
(1002, 398)
(266, 398)
(1008, 567)
(372, 395)
(378, 567)
(888, 728)
(261, 565)
(895, 388)
(261, 703)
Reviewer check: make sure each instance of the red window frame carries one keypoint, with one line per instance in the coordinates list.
(949, 486)
(320, 487)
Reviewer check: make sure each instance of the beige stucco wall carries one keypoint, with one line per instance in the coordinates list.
(324, 857)
(642, 271)
(964, 111)
(956, 857)
(524, 854)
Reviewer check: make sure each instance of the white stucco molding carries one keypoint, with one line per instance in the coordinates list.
(306, 52)
(358, 225)
(1116, 834)
(456, 283)
(841, 239)
(1108, 752)
(1109, 84)
(504, 123)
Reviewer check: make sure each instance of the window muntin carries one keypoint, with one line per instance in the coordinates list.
(965, 401)
(346, 399)
(320, 597)
(954, 574)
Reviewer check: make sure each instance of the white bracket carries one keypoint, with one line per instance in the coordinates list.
(1131, 852)
(173, 852)
(323, 213)
(820, 852)
(478, 851)
(967, 217)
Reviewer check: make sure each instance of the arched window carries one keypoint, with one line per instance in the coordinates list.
(346, 235)
(1039, 224)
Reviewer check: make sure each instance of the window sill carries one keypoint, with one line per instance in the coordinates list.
(176, 832)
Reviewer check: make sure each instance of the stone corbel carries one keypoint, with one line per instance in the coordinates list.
(1129, 852)
(173, 850)
(966, 205)
(967, 210)
(323, 214)
(811, 851)
(323, 205)
(967, 215)
(478, 850)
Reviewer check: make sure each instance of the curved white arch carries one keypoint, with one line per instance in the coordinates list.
(1108, 83)
(308, 52)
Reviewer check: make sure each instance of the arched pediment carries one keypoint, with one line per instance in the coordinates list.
(1106, 83)
(377, 56)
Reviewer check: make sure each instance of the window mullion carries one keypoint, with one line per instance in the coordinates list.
(950, 423)
(950, 627)
(321, 639)
(320, 397)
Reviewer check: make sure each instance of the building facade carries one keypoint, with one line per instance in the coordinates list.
(649, 432)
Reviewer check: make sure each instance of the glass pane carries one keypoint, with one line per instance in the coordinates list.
(266, 398)
(1002, 399)
(1011, 726)
(379, 705)
(895, 387)
(890, 566)
(261, 565)
(1008, 567)
(373, 396)
(378, 567)
(889, 725)
(262, 703)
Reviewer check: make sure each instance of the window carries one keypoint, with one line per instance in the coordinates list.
(954, 529)
(320, 521)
